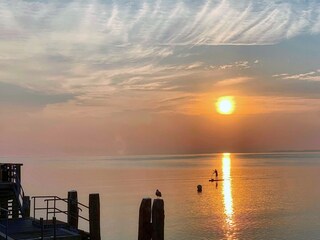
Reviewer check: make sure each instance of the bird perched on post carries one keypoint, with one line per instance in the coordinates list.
(158, 193)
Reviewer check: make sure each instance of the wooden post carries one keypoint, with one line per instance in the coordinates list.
(26, 206)
(73, 211)
(42, 228)
(94, 216)
(54, 222)
(144, 232)
(158, 219)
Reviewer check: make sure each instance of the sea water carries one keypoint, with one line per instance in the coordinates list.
(262, 196)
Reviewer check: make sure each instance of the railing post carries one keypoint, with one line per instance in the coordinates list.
(42, 228)
(94, 216)
(54, 206)
(158, 219)
(54, 222)
(73, 211)
(34, 207)
(47, 214)
(144, 231)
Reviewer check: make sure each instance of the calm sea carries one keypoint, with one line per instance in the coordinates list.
(263, 196)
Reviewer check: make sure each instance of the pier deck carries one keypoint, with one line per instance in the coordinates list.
(25, 229)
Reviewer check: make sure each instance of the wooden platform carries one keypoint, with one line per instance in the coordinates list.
(25, 229)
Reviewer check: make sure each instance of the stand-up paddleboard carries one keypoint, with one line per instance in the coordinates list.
(215, 180)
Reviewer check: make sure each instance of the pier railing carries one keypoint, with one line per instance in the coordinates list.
(51, 208)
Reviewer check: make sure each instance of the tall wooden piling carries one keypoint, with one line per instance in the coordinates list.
(151, 228)
(158, 219)
(144, 231)
(94, 216)
(73, 210)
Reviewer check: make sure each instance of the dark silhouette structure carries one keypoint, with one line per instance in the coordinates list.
(16, 222)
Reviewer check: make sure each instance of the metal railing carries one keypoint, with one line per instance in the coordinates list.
(54, 209)
(7, 221)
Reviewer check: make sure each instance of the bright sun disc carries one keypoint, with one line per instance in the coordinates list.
(225, 105)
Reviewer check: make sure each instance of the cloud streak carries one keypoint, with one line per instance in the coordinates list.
(161, 22)
(94, 50)
(308, 76)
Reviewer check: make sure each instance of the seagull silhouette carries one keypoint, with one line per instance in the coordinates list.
(158, 193)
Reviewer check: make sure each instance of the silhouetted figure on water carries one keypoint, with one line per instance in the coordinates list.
(216, 173)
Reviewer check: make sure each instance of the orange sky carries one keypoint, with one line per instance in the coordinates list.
(105, 78)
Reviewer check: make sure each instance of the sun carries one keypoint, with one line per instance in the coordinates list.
(225, 105)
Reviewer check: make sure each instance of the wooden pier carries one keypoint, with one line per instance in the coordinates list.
(17, 224)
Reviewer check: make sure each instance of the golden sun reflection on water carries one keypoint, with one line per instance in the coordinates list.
(227, 192)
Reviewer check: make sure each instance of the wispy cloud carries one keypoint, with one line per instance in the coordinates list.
(237, 64)
(94, 50)
(103, 76)
(160, 22)
(308, 76)
(232, 81)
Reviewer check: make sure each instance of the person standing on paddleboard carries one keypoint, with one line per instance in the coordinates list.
(216, 173)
